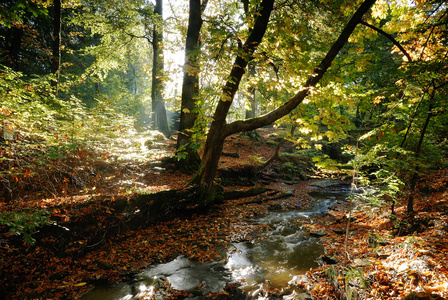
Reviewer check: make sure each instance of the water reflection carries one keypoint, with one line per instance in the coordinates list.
(184, 274)
(283, 252)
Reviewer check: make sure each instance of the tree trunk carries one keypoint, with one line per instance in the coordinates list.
(160, 121)
(250, 113)
(410, 206)
(219, 129)
(217, 132)
(56, 55)
(190, 89)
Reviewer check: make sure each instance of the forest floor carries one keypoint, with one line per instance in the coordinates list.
(89, 243)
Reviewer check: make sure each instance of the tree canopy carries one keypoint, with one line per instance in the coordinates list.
(349, 89)
(374, 75)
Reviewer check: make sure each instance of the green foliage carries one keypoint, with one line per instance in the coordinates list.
(258, 160)
(290, 167)
(379, 173)
(29, 104)
(355, 274)
(325, 162)
(198, 131)
(41, 135)
(60, 151)
(181, 153)
(370, 89)
(295, 163)
(375, 241)
(25, 223)
(29, 107)
(13, 12)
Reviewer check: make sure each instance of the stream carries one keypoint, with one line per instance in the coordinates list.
(283, 252)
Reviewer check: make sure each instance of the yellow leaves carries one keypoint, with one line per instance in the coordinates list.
(186, 110)
(438, 288)
(406, 23)
(378, 99)
(399, 82)
(81, 284)
(380, 9)
(339, 79)
(226, 98)
(306, 130)
(331, 135)
(300, 121)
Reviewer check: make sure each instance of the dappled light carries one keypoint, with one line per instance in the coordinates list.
(223, 149)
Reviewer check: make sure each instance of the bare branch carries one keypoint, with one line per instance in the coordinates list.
(390, 37)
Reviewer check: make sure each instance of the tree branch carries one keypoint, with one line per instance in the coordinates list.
(390, 37)
(241, 61)
(313, 79)
(203, 6)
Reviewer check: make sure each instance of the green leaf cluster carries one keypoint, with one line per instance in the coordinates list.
(25, 223)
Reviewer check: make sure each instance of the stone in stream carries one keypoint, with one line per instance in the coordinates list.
(318, 233)
(339, 231)
(287, 190)
(326, 259)
(325, 183)
(187, 275)
(303, 282)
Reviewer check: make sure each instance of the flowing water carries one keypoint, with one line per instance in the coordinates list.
(283, 252)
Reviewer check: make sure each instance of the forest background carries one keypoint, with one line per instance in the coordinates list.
(356, 87)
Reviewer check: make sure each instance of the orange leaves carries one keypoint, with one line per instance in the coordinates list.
(81, 153)
(6, 111)
(398, 265)
(378, 99)
(27, 173)
(200, 236)
(380, 135)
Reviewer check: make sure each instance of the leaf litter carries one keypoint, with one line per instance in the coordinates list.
(387, 258)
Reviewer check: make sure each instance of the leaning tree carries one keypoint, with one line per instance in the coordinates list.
(220, 129)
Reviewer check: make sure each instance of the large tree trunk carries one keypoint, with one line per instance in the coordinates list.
(217, 132)
(190, 89)
(56, 55)
(219, 129)
(160, 121)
